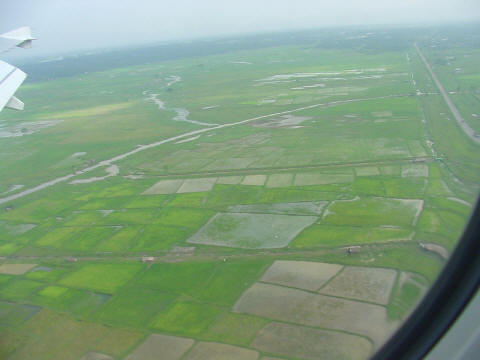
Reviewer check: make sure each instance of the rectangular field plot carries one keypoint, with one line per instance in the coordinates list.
(229, 281)
(96, 356)
(197, 185)
(305, 275)
(15, 269)
(407, 293)
(182, 278)
(186, 218)
(12, 314)
(229, 163)
(284, 339)
(313, 208)
(322, 179)
(251, 231)
(164, 187)
(374, 211)
(186, 318)
(406, 187)
(304, 308)
(367, 171)
(146, 202)
(394, 170)
(134, 306)
(216, 351)
(157, 237)
(279, 180)
(118, 341)
(415, 170)
(229, 180)
(89, 238)
(335, 235)
(78, 302)
(359, 283)
(84, 218)
(101, 277)
(257, 180)
(19, 289)
(121, 240)
(55, 336)
(161, 346)
(57, 236)
(237, 329)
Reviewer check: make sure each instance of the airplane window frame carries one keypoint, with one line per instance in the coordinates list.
(455, 286)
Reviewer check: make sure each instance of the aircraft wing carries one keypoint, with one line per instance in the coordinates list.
(23, 37)
(10, 76)
(10, 79)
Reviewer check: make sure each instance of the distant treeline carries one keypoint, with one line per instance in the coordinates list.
(373, 39)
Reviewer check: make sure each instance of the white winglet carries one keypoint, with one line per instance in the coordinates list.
(22, 34)
(10, 79)
(10, 76)
(15, 104)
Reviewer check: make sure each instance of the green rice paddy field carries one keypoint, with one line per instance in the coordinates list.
(246, 175)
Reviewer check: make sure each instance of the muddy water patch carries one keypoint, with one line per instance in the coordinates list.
(17, 229)
(41, 268)
(25, 128)
(308, 87)
(172, 79)
(80, 153)
(133, 177)
(112, 170)
(435, 248)
(182, 113)
(158, 102)
(241, 62)
(284, 121)
(210, 107)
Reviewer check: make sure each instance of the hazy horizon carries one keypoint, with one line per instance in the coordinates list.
(90, 25)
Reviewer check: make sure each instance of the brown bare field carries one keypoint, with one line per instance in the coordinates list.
(197, 185)
(216, 351)
(15, 269)
(321, 179)
(164, 187)
(360, 283)
(304, 308)
(305, 275)
(229, 180)
(96, 356)
(257, 180)
(311, 344)
(161, 347)
(279, 180)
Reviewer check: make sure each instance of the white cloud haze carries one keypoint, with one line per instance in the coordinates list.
(69, 25)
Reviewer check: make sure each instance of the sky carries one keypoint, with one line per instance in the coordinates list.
(64, 26)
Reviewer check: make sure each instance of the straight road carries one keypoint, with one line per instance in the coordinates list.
(463, 124)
